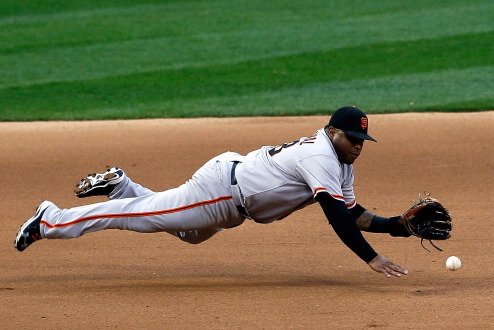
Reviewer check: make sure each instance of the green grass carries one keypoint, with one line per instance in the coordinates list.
(67, 60)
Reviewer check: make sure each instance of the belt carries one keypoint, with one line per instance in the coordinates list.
(241, 209)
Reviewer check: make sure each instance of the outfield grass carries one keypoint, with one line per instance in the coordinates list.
(88, 60)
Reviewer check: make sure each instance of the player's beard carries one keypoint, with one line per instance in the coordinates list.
(349, 160)
(345, 157)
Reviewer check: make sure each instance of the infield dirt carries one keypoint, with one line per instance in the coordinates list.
(293, 273)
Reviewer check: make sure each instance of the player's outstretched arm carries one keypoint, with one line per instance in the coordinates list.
(345, 227)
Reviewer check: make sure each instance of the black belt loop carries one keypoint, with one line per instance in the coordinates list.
(240, 208)
(233, 177)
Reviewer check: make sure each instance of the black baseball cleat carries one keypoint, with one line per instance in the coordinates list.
(30, 230)
(99, 184)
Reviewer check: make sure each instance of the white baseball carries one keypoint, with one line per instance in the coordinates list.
(453, 263)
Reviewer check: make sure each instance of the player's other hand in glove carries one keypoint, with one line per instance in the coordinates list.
(383, 265)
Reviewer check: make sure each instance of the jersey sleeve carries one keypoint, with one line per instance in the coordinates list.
(325, 174)
(322, 174)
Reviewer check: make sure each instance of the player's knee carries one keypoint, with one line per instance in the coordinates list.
(191, 239)
(196, 236)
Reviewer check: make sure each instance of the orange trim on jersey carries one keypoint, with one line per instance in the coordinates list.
(135, 215)
(349, 205)
(338, 197)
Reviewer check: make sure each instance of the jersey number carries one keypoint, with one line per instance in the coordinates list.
(273, 151)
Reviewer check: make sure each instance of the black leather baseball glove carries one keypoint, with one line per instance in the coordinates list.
(429, 220)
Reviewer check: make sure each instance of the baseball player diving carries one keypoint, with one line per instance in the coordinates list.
(266, 185)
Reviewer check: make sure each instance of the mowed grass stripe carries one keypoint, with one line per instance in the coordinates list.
(29, 10)
(408, 92)
(35, 11)
(282, 74)
(103, 46)
(450, 90)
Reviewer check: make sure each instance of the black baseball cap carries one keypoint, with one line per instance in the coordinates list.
(352, 121)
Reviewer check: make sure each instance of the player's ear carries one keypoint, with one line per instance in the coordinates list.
(331, 131)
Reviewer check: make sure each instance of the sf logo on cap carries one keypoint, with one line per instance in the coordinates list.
(363, 122)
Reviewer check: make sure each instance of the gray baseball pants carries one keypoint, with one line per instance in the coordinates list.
(193, 212)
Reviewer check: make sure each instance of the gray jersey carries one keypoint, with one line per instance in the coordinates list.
(276, 181)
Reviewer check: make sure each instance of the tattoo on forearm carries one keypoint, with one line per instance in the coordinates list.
(365, 219)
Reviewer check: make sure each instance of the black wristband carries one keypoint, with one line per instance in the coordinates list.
(397, 229)
(380, 225)
(388, 225)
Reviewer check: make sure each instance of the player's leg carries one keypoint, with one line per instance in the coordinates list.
(128, 189)
(115, 184)
(171, 210)
(203, 203)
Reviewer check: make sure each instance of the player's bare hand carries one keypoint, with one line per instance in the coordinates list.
(383, 265)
